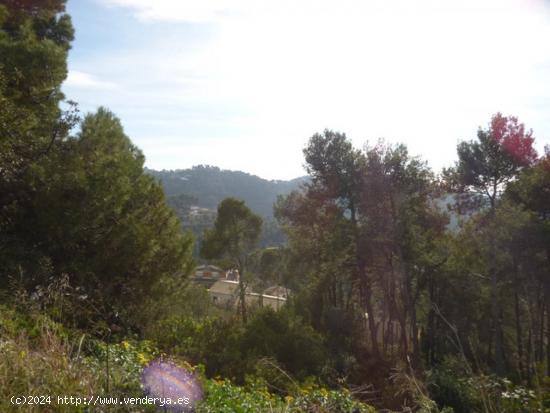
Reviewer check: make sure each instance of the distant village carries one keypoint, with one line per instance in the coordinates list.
(223, 288)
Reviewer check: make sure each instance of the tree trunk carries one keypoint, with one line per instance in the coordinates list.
(548, 329)
(409, 301)
(496, 325)
(242, 295)
(547, 295)
(365, 285)
(519, 335)
(496, 328)
(540, 333)
(370, 313)
(529, 351)
(430, 333)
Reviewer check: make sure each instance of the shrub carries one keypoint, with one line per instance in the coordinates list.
(227, 348)
(503, 396)
(213, 342)
(118, 366)
(449, 388)
(318, 399)
(39, 357)
(482, 393)
(224, 397)
(279, 336)
(35, 359)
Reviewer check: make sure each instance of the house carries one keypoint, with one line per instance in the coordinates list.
(226, 293)
(223, 287)
(263, 300)
(208, 275)
(277, 291)
(208, 271)
(195, 211)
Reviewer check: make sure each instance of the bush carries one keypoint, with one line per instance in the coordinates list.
(118, 366)
(503, 396)
(213, 342)
(322, 400)
(37, 360)
(449, 388)
(224, 397)
(39, 357)
(481, 393)
(279, 336)
(229, 349)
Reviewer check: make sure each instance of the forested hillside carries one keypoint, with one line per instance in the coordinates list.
(209, 185)
(195, 193)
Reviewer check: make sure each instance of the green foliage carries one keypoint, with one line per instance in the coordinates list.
(270, 267)
(79, 208)
(229, 349)
(531, 190)
(105, 223)
(198, 220)
(212, 342)
(320, 231)
(53, 363)
(210, 185)
(509, 397)
(280, 336)
(40, 357)
(494, 159)
(323, 400)
(449, 388)
(119, 365)
(233, 238)
(33, 49)
(224, 397)
(333, 163)
(235, 232)
(34, 42)
(37, 358)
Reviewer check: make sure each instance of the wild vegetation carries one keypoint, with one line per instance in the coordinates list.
(410, 290)
(208, 185)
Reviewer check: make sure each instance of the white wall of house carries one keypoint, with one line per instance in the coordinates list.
(226, 292)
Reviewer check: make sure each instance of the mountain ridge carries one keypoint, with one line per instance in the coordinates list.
(211, 184)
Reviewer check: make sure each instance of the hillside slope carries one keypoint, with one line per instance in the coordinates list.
(210, 185)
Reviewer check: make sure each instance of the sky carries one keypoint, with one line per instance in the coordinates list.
(243, 84)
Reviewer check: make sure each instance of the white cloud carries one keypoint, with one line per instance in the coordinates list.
(215, 10)
(78, 79)
(426, 73)
(175, 10)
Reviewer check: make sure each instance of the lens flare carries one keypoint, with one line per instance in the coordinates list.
(173, 388)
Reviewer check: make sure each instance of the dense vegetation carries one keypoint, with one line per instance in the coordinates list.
(197, 220)
(209, 185)
(411, 291)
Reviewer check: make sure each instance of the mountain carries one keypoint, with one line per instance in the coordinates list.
(209, 185)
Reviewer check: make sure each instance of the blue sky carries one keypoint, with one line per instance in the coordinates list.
(242, 84)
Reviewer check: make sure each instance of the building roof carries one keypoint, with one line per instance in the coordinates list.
(208, 267)
(277, 291)
(227, 287)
